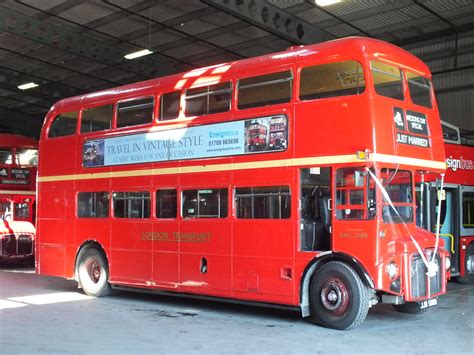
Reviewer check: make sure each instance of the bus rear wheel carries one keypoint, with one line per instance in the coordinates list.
(468, 277)
(93, 273)
(339, 298)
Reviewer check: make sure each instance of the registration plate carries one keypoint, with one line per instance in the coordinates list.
(429, 303)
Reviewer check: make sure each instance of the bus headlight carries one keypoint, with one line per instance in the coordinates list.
(392, 269)
(447, 263)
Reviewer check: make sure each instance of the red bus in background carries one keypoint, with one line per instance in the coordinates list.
(18, 168)
(157, 187)
(277, 133)
(257, 136)
(457, 209)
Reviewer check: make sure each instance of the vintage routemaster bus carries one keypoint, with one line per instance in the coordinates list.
(18, 167)
(457, 207)
(152, 186)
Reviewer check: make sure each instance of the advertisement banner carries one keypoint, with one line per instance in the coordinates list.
(255, 135)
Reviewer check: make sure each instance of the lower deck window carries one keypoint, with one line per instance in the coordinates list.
(92, 204)
(166, 203)
(131, 204)
(205, 203)
(269, 202)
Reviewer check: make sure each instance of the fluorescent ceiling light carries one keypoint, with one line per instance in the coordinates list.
(138, 54)
(27, 86)
(326, 2)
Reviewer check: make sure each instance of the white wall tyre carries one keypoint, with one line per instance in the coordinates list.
(93, 273)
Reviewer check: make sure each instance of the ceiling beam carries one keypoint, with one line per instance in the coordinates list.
(451, 31)
(272, 19)
(56, 37)
(46, 90)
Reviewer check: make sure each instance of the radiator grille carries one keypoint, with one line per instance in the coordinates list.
(12, 246)
(420, 281)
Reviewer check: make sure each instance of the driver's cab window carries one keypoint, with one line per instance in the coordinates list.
(355, 194)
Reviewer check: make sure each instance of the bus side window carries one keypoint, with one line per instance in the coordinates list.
(331, 80)
(169, 105)
(208, 99)
(93, 204)
(263, 90)
(387, 80)
(166, 203)
(96, 118)
(265, 202)
(131, 204)
(468, 209)
(205, 203)
(135, 112)
(63, 125)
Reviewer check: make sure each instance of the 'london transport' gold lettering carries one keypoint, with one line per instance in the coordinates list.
(190, 237)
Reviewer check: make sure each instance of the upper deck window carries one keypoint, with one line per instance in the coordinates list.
(387, 80)
(208, 99)
(420, 89)
(63, 125)
(330, 80)
(450, 134)
(27, 156)
(5, 156)
(96, 118)
(262, 90)
(135, 112)
(169, 105)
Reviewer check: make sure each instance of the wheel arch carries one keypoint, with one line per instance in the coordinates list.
(91, 243)
(319, 261)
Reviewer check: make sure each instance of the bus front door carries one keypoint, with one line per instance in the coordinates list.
(449, 225)
(315, 214)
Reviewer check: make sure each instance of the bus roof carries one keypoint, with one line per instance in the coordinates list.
(16, 140)
(350, 47)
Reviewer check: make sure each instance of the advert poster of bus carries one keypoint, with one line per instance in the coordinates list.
(255, 135)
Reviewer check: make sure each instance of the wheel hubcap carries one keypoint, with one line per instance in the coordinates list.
(334, 296)
(93, 269)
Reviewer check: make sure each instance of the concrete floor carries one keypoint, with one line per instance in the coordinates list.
(50, 315)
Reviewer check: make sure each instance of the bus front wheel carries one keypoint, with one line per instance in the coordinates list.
(339, 298)
(468, 277)
(93, 273)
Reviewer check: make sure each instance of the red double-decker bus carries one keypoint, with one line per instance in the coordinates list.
(456, 224)
(152, 185)
(18, 167)
(256, 136)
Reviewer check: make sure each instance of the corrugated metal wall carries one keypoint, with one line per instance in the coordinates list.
(454, 85)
